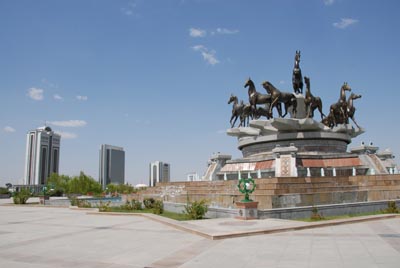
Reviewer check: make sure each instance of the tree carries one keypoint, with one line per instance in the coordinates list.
(120, 188)
(59, 184)
(83, 184)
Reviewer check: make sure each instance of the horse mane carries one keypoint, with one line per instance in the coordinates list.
(272, 87)
(251, 83)
(252, 87)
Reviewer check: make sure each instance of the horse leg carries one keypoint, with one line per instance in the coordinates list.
(232, 117)
(286, 110)
(273, 103)
(308, 110)
(234, 121)
(279, 105)
(320, 111)
(352, 118)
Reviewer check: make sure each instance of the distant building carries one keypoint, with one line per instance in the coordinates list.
(111, 165)
(42, 155)
(193, 176)
(159, 172)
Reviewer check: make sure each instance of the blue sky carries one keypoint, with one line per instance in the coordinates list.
(154, 77)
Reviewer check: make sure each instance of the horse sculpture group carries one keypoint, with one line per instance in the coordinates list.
(339, 112)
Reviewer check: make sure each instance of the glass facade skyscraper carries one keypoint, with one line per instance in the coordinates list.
(111, 165)
(159, 172)
(42, 155)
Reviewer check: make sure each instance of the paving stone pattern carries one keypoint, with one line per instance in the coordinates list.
(61, 237)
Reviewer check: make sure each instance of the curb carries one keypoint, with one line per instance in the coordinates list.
(187, 227)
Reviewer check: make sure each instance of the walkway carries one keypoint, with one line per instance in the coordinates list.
(60, 237)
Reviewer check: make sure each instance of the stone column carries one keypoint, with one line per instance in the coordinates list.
(285, 161)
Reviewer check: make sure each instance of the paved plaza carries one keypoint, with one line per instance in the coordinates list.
(61, 237)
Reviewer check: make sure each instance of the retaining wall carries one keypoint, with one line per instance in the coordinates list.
(272, 193)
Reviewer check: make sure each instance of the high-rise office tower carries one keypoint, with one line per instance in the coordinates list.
(159, 172)
(42, 155)
(112, 165)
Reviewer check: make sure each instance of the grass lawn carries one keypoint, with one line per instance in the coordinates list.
(167, 214)
(339, 217)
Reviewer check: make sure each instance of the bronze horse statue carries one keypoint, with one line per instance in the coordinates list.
(241, 111)
(339, 109)
(312, 102)
(277, 97)
(257, 97)
(261, 111)
(247, 113)
(237, 109)
(350, 107)
(297, 78)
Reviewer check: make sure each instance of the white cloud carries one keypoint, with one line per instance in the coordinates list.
(329, 2)
(9, 129)
(282, 82)
(199, 48)
(208, 55)
(67, 135)
(344, 23)
(82, 98)
(129, 11)
(193, 32)
(226, 31)
(57, 97)
(69, 123)
(48, 83)
(35, 93)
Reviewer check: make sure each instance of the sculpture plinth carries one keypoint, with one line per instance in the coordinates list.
(247, 210)
(308, 135)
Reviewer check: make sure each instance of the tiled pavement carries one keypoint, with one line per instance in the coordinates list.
(60, 237)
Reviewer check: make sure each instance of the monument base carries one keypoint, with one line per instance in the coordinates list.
(247, 210)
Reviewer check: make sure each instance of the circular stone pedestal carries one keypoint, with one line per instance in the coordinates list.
(307, 135)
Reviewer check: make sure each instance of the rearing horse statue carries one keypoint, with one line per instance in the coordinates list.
(350, 107)
(297, 78)
(312, 102)
(277, 97)
(339, 109)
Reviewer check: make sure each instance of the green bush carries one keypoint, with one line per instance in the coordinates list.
(73, 201)
(104, 206)
(84, 203)
(136, 205)
(21, 197)
(197, 209)
(132, 205)
(315, 216)
(79, 202)
(158, 207)
(392, 208)
(56, 192)
(127, 206)
(4, 190)
(149, 202)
